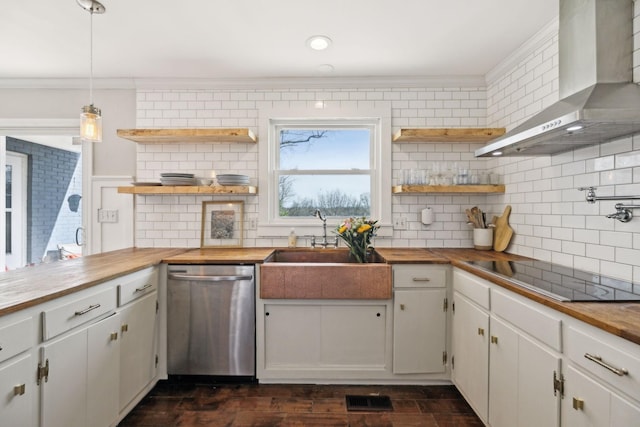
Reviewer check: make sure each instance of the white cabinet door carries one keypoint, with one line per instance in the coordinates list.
(586, 403)
(470, 352)
(17, 388)
(103, 352)
(292, 335)
(319, 336)
(353, 335)
(520, 380)
(137, 347)
(63, 394)
(503, 381)
(419, 331)
(538, 405)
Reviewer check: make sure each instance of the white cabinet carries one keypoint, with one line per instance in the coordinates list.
(103, 362)
(521, 379)
(506, 352)
(322, 340)
(588, 403)
(18, 391)
(321, 336)
(470, 352)
(601, 379)
(77, 387)
(419, 319)
(138, 347)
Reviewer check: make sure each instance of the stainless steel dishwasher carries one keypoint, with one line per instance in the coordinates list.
(211, 320)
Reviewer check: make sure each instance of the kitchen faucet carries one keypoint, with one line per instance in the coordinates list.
(324, 242)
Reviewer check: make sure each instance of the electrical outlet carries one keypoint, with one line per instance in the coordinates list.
(400, 223)
(253, 223)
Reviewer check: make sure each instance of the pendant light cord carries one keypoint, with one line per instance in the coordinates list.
(91, 58)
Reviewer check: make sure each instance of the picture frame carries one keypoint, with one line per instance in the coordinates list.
(222, 224)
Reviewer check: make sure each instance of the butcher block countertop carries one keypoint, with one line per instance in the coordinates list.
(30, 286)
(27, 287)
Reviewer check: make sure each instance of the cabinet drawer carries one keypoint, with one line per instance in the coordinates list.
(76, 312)
(419, 276)
(612, 352)
(474, 288)
(135, 285)
(15, 338)
(539, 325)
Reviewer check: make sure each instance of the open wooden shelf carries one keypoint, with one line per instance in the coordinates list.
(189, 189)
(448, 134)
(160, 136)
(404, 189)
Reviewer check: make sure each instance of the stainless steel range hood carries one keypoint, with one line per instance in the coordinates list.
(598, 102)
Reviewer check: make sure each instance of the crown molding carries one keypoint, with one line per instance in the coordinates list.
(517, 56)
(257, 84)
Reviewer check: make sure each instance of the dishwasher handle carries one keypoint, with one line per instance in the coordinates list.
(202, 278)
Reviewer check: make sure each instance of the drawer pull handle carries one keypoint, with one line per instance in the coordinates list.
(578, 404)
(401, 306)
(597, 359)
(144, 288)
(88, 309)
(19, 390)
(113, 336)
(481, 331)
(124, 328)
(421, 279)
(494, 339)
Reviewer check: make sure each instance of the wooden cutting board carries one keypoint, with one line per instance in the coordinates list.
(503, 232)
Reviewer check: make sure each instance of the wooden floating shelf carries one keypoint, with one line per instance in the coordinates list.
(161, 136)
(189, 189)
(448, 134)
(404, 189)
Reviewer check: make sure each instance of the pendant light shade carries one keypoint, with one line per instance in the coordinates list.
(91, 118)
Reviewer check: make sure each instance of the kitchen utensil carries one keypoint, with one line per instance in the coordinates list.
(503, 232)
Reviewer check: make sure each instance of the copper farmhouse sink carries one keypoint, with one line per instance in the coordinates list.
(303, 273)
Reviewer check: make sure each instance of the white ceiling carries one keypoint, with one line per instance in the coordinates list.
(258, 39)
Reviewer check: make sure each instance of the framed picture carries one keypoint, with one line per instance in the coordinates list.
(221, 224)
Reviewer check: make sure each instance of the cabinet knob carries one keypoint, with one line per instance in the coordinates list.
(377, 314)
(267, 313)
(19, 390)
(578, 404)
(124, 328)
(481, 331)
(494, 339)
(401, 306)
(113, 336)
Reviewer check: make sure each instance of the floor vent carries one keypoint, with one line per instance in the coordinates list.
(368, 403)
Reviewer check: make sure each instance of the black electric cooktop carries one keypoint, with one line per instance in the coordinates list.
(562, 283)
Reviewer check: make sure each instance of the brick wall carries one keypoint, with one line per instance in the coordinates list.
(53, 175)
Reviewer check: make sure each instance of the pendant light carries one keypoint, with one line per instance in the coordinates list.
(90, 118)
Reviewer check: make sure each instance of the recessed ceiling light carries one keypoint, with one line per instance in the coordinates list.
(574, 128)
(318, 42)
(497, 153)
(325, 68)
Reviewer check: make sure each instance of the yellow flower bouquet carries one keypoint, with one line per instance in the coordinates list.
(357, 234)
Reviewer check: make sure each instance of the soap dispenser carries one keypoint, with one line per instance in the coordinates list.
(293, 239)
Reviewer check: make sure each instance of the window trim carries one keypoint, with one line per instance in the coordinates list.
(269, 223)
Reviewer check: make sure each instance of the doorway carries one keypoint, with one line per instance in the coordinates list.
(16, 169)
(57, 179)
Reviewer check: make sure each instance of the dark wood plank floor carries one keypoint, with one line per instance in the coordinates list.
(173, 405)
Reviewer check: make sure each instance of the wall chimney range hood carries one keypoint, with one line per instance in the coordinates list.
(598, 100)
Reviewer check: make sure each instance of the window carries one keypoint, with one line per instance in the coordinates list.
(324, 167)
(339, 163)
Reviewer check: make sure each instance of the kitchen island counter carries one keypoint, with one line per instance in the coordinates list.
(27, 287)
